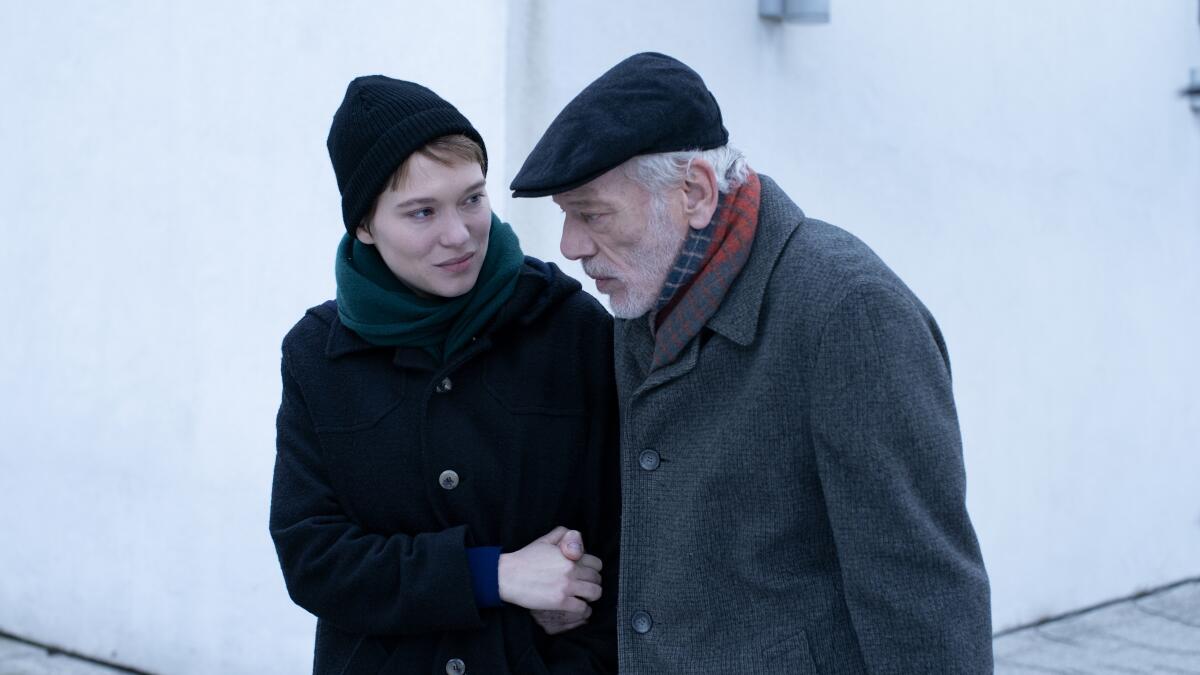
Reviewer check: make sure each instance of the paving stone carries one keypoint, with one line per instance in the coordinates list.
(1158, 632)
(1155, 633)
(18, 658)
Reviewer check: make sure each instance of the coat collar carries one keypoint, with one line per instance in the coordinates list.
(341, 339)
(737, 317)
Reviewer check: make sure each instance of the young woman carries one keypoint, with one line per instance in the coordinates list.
(445, 422)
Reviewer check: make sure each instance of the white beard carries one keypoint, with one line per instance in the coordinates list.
(650, 262)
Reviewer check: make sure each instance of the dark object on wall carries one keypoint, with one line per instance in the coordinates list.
(1192, 91)
(801, 11)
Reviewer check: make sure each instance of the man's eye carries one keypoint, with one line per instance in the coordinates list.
(475, 198)
(585, 217)
(420, 214)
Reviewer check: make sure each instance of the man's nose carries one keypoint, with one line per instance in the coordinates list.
(575, 242)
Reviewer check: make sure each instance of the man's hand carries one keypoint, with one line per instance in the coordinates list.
(555, 622)
(542, 577)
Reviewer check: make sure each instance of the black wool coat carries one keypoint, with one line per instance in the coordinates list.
(389, 466)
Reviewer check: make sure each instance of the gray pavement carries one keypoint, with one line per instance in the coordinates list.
(19, 658)
(1156, 632)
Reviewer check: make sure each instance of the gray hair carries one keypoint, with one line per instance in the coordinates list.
(664, 170)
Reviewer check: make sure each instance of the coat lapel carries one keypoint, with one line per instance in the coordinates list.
(682, 365)
(737, 318)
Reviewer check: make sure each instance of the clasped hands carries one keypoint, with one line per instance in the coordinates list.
(554, 578)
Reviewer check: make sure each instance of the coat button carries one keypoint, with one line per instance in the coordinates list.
(642, 622)
(455, 667)
(444, 386)
(449, 479)
(649, 460)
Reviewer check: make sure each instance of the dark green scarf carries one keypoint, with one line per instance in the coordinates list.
(375, 304)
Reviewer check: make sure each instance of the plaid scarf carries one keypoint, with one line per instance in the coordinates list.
(708, 263)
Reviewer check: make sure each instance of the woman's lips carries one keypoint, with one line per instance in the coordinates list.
(456, 264)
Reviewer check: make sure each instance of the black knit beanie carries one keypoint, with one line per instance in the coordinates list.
(380, 123)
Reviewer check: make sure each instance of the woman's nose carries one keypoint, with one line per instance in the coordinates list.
(455, 232)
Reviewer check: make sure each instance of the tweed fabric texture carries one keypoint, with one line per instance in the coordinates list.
(380, 122)
(807, 510)
(709, 261)
(647, 103)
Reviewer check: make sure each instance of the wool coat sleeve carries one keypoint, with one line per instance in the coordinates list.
(362, 582)
(889, 458)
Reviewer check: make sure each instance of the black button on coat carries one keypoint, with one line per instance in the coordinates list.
(369, 539)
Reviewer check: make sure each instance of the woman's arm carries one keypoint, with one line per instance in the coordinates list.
(360, 581)
(371, 583)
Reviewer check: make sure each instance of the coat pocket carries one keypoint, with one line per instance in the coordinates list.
(535, 387)
(790, 655)
(531, 664)
(375, 471)
(368, 658)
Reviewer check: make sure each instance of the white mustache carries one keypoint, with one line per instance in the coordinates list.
(595, 270)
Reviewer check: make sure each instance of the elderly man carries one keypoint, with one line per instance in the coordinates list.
(793, 483)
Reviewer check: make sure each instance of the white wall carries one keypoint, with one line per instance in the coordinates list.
(1029, 170)
(168, 212)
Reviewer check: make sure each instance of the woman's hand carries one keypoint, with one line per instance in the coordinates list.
(555, 621)
(541, 577)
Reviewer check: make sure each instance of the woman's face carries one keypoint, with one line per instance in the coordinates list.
(432, 231)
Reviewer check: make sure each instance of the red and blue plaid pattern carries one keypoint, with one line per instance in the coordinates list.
(708, 263)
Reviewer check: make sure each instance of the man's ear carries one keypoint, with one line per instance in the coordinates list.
(364, 235)
(700, 194)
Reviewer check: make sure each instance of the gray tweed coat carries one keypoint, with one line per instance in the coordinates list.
(793, 485)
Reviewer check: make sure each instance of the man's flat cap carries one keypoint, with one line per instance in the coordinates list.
(647, 103)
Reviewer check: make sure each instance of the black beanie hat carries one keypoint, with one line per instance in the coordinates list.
(380, 123)
(645, 104)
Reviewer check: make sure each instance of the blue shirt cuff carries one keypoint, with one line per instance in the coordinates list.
(484, 562)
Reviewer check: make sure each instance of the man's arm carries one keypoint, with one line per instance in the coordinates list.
(889, 457)
(591, 647)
